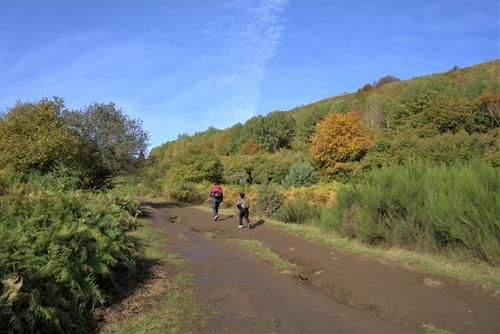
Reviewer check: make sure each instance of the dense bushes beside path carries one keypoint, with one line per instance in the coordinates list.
(64, 246)
(61, 253)
(426, 206)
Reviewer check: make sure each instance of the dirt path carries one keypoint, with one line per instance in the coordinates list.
(328, 292)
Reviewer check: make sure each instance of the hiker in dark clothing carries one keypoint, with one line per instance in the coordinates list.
(244, 206)
(217, 197)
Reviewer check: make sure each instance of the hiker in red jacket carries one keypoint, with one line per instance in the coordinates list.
(217, 197)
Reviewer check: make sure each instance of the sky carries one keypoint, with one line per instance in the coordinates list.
(182, 66)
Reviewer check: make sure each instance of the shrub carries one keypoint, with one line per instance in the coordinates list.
(7, 178)
(236, 169)
(297, 210)
(427, 206)
(268, 199)
(301, 173)
(316, 195)
(61, 178)
(187, 192)
(61, 253)
(266, 167)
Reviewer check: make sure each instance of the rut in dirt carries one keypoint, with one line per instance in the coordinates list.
(328, 292)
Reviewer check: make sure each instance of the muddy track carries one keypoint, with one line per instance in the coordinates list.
(327, 292)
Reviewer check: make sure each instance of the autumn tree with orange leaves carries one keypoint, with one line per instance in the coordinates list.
(339, 142)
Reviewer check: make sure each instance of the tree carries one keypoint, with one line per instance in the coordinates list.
(305, 126)
(385, 80)
(275, 131)
(250, 147)
(111, 142)
(416, 96)
(195, 166)
(301, 173)
(489, 109)
(365, 88)
(33, 137)
(376, 107)
(339, 141)
(235, 138)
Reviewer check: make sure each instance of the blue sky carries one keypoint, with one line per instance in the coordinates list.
(182, 66)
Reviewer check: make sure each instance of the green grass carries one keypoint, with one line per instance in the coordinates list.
(473, 272)
(263, 252)
(179, 309)
(152, 242)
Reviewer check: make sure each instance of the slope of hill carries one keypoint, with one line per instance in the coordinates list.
(444, 117)
(419, 160)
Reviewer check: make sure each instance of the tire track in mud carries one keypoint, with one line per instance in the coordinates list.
(328, 292)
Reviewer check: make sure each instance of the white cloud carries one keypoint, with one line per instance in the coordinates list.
(180, 80)
(245, 37)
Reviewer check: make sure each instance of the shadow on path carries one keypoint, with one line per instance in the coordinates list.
(258, 223)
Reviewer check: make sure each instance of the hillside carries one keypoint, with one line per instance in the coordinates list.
(418, 161)
(417, 117)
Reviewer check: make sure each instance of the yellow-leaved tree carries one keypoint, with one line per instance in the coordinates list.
(339, 142)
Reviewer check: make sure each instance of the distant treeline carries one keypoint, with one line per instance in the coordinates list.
(449, 117)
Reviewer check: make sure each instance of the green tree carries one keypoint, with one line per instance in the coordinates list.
(305, 127)
(419, 95)
(275, 131)
(301, 173)
(33, 137)
(111, 142)
(271, 167)
(195, 166)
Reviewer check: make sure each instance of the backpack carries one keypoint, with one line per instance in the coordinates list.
(217, 192)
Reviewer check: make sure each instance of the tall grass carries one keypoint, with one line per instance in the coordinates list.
(296, 210)
(426, 206)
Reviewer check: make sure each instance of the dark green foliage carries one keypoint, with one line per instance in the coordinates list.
(265, 168)
(297, 210)
(272, 132)
(61, 179)
(426, 206)
(61, 254)
(446, 147)
(268, 200)
(301, 173)
(235, 138)
(305, 127)
(111, 143)
(275, 131)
